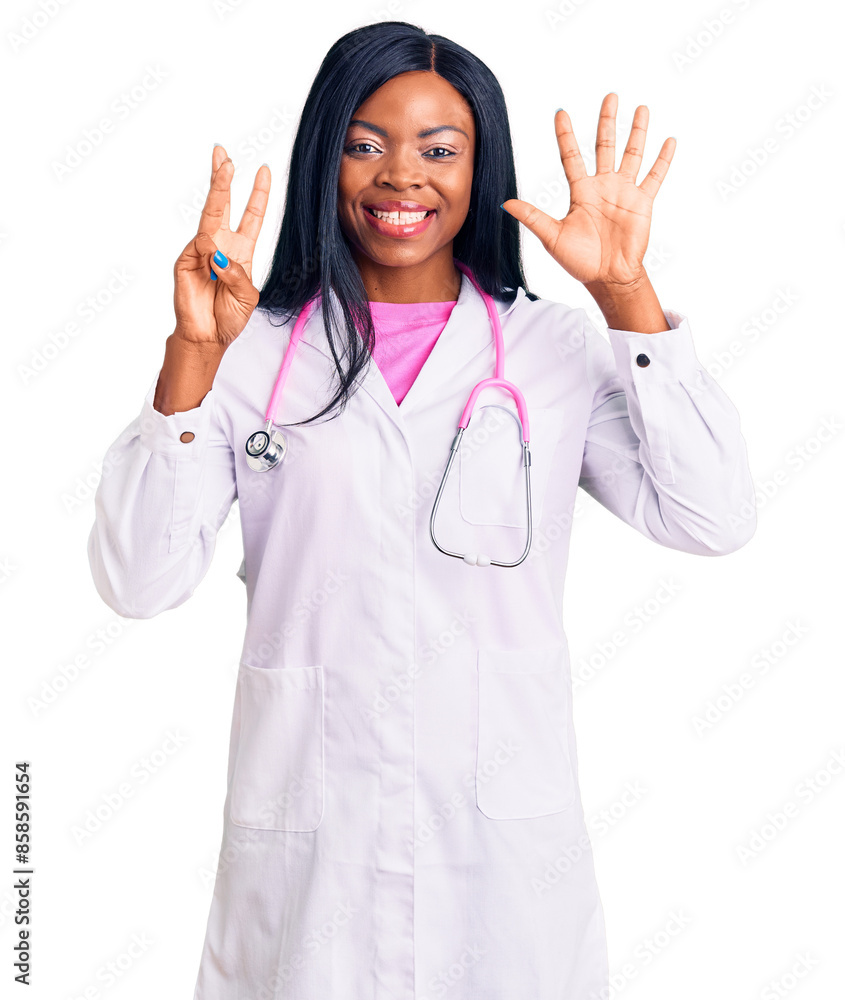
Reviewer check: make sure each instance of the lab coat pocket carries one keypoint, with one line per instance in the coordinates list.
(492, 476)
(523, 767)
(277, 780)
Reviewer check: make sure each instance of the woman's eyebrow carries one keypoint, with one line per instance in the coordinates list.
(421, 135)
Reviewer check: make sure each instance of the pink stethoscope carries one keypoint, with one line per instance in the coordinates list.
(266, 448)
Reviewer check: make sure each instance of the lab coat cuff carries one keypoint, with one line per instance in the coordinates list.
(663, 356)
(161, 434)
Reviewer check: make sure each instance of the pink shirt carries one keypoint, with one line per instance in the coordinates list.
(406, 332)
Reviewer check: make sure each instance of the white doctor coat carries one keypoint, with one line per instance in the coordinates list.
(403, 819)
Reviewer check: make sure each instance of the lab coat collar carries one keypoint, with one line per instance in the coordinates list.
(467, 333)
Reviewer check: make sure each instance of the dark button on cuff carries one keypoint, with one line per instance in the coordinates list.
(643, 360)
(188, 436)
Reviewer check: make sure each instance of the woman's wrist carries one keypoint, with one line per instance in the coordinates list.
(633, 306)
(187, 373)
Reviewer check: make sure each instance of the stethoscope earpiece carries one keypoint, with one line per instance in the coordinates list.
(265, 449)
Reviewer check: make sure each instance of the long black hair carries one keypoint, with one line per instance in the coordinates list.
(313, 253)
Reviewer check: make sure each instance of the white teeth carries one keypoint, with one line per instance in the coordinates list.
(399, 218)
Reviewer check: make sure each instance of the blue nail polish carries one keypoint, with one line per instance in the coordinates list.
(502, 206)
(220, 259)
(213, 276)
(558, 109)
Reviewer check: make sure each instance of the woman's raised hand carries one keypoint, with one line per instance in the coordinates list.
(604, 235)
(210, 311)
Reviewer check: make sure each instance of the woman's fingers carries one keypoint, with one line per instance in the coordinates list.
(606, 135)
(229, 271)
(218, 155)
(570, 154)
(544, 227)
(215, 211)
(632, 158)
(654, 178)
(250, 224)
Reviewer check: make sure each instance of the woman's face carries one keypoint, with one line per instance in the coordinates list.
(409, 149)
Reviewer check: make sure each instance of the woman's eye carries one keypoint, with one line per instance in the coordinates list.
(440, 152)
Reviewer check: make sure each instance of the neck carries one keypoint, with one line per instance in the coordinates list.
(433, 280)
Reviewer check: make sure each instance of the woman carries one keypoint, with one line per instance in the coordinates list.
(402, 818)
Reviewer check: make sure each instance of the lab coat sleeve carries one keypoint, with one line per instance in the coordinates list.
(159, 508)
(663, 449)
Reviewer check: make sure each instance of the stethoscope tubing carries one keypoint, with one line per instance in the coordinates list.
(287, 360)
(266, 449)
(498, 378)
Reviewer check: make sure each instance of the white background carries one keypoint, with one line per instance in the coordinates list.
(734, 242)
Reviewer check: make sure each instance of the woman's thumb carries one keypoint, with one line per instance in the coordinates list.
(220, 262)
(205, 245)
(229, 271)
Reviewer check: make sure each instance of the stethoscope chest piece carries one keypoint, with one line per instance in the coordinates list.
(265, 449)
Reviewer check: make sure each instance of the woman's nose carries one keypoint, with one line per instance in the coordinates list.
(401, 169)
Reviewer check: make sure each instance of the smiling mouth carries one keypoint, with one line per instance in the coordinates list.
(400, 218)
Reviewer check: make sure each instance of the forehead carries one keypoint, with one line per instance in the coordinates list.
(416, 99)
